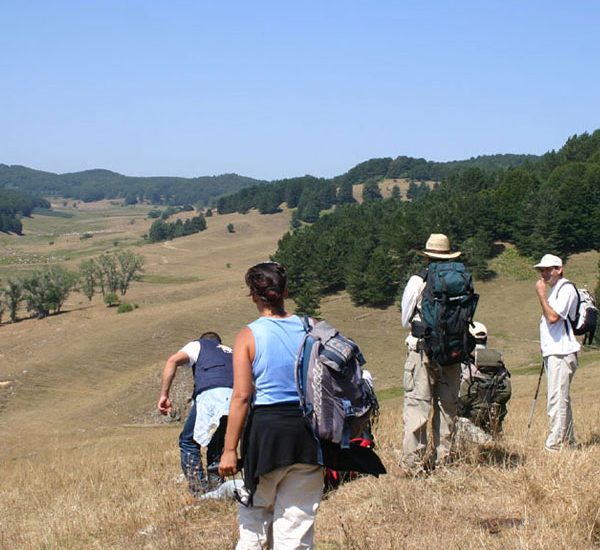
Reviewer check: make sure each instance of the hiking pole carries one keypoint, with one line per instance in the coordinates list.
(537, 391)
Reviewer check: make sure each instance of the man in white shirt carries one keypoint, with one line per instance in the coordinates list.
(559, 348)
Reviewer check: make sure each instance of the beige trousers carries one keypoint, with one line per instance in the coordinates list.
(560, 370)
(283, 514)
(428, 386)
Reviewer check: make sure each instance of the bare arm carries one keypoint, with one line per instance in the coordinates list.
(164, 404)
(243, 389)
(549, 313)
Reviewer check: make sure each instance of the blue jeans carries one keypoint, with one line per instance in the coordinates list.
(191, 461)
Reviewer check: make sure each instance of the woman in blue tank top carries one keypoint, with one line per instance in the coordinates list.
(280, 455)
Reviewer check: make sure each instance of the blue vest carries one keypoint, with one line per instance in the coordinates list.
(214, 368)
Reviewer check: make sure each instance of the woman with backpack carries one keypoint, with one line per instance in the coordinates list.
(280, 455)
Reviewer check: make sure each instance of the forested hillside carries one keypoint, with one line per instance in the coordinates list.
(92, 185)
(13, 205)
(421, 169)
(370, 249)
(311, 195)
(308, 193)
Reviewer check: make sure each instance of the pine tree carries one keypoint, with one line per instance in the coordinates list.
(345, 195)
(378, 280)
(371, 191)
(307, 297)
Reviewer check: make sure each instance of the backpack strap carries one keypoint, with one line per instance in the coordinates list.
(572, 322)
(302, 358)
(307, 323)
(301, 373)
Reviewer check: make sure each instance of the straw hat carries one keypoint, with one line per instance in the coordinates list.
(438, 248)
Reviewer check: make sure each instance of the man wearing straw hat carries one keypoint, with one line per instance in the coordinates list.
(559, 348)
(426, 384)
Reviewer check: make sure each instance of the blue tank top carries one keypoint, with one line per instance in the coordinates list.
(276, 343)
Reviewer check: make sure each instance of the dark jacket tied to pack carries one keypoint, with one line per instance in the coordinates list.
(447, 308)
(485, 393)
(214, 368)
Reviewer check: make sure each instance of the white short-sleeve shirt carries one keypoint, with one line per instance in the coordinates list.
(558, 338)
(192, 350)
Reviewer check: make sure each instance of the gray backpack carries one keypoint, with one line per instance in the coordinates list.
(337, 401)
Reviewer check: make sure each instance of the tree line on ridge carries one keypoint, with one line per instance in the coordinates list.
(369, 250)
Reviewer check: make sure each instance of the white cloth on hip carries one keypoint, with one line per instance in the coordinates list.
(211, 405)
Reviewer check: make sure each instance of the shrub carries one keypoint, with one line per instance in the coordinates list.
(126, 307)
(111, 299)
(230, 228)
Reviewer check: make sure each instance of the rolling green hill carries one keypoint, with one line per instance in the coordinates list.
(92, 185)
(98, 184)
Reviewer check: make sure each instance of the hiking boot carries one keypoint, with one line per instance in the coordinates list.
(214, 481)
(199, 488)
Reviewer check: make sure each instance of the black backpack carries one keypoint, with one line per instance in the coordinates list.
(447, 308)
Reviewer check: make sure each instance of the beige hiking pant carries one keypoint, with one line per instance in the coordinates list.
(283, 514)
(560, 370)
(427, 386)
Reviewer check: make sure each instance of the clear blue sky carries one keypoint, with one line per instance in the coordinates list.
(274, 89)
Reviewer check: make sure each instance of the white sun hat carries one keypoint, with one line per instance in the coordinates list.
(549, 260)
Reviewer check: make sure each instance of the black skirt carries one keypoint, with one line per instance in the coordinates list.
(276, 436)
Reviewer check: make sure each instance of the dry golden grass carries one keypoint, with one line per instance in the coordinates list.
(80, 469)
(386, 186)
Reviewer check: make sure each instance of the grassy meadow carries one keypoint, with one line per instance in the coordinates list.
(87, 463)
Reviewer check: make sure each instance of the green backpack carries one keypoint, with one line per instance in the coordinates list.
(483, 397)
(447, 308)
